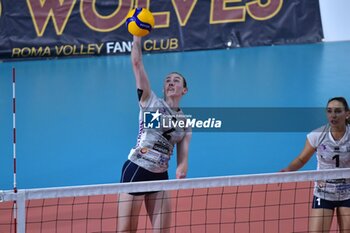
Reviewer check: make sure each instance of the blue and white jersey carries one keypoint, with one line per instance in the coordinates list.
(331, 154)
(159, 131)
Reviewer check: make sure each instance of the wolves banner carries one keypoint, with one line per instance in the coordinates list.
(51, 28)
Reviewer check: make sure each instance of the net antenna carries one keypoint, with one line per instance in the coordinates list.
(14, 144)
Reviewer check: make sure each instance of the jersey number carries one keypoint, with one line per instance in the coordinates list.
(318, 201)
(336, 158)
(167, 133)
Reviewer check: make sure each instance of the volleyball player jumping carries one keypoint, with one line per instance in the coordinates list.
(148, 160)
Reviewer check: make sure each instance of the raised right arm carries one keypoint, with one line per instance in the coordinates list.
(142, 82)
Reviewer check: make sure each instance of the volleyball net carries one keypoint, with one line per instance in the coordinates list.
(275, 202)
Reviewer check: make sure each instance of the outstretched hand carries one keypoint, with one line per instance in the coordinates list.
(284, 170)
(180, 175)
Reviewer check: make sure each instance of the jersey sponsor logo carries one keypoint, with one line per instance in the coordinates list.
(161, 148)
(153, 156)
(143, 150)
(322, 147)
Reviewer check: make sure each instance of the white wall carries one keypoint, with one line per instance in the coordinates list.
(335, 19)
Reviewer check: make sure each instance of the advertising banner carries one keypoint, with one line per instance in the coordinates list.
(62, 28)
